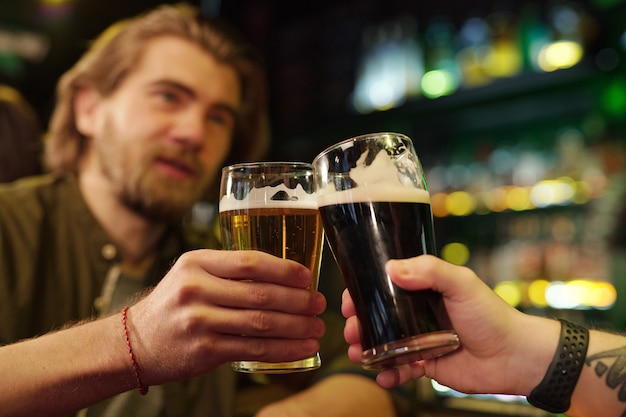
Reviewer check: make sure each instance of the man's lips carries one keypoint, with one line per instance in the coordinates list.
(176, 168)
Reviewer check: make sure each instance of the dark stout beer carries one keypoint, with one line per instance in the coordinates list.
(364, 230)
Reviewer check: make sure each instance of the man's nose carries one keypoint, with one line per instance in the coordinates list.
(190, 128)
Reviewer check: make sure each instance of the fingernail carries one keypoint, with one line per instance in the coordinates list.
(306, 277)
(399, 266)
(319, 303)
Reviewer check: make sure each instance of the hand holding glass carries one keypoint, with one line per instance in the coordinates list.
(271, 207)
(375, 206)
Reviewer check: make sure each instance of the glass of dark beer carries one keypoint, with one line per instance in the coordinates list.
(271, 207)
(375, 206)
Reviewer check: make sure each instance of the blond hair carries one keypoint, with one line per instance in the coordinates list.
(113, 55)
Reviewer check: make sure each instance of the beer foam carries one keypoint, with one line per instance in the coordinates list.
(385, 179)
(375, 193)
(375, 173)
(270, 197)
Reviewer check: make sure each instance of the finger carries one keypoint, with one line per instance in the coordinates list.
(351, 331)
(238, 348)
(388, 378)
(354, 353)
(252, 265)
(427, 271)
(347, 305)
(391, 377)
(259, 296)
(259, 323)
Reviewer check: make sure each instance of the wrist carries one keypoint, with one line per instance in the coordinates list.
(535, 351)
(136, 369)
(555, 390)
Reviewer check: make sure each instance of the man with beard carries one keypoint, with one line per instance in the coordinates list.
(143, 123)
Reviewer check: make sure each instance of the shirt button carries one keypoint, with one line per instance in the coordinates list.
(109, 252)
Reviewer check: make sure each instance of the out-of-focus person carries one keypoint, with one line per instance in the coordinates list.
(20, 136)
(142, 125)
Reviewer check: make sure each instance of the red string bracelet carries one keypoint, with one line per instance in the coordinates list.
(143, 390)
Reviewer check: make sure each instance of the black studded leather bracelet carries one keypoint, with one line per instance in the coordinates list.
(554, 392)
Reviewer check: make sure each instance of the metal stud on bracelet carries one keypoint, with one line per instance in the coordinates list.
(554, 392)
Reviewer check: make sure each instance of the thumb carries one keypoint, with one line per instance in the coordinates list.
(428, 272)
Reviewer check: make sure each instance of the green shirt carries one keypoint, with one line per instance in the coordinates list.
(54, 257)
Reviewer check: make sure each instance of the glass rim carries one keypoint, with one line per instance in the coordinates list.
(268, 164)
(358, 139)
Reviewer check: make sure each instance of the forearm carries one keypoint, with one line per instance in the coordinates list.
(601, 388)
(538, 341)
(339, 395)
(65, 371)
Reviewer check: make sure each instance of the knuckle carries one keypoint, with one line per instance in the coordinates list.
(245, 260)
(311, 301)
(186, 258)
(261, 322)
(191, 322)
(258, 349)
(185, 263)
(259, 295)
(428, 265)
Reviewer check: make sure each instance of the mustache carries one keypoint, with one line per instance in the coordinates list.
(180, 158)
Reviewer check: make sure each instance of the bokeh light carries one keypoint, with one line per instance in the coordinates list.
(456, 253)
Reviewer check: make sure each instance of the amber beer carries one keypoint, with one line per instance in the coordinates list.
(271, 207)
(364, 233)
(287, 232)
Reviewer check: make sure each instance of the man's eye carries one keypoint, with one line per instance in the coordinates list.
(221, 118)
(168, 96)
(217, 118)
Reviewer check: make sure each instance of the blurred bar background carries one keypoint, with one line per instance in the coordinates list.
(516, 108)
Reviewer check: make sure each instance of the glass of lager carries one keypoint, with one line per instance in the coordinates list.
(271, 207)
(375, 206)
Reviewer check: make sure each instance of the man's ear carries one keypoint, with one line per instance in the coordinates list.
(86, 105)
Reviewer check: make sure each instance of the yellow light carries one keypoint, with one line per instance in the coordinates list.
(595, 294)
(560, 55)
(481, 203)
(583, 192)
(561, 296)
(541, 194)
(581, 293)
(495, 200)
(604, 295)
(584, 289)
(56, 2)
(518, 199)
(504, 60)
(437, 83)
(456, 253)
(553, 192)
(509, 291)
(438, 204)
(460, 203)
(565, 190)
(537, 293)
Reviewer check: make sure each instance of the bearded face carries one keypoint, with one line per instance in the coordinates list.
(135, 177)
(158, 141)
